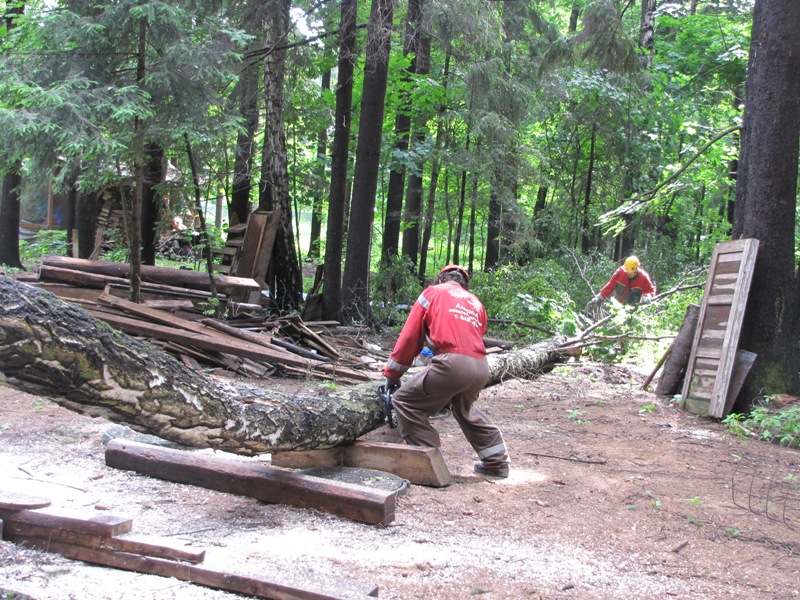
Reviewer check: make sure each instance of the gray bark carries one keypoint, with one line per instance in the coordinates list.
(54, 348)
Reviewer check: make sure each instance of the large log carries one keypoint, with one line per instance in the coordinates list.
(161, 275)
(48, 347)
(54, 348)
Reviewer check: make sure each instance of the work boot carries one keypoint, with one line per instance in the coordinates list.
(491, 470)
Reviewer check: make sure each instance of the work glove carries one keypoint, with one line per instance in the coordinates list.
(391, 383)
(646, 300)
(596, 301)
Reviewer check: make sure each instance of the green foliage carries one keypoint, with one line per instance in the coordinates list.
(534, 294)
(46, 241)
(393, 291)
(778, 427)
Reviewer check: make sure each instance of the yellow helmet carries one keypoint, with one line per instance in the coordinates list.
(631, 264)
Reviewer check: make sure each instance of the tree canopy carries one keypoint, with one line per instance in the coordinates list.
(564, 134)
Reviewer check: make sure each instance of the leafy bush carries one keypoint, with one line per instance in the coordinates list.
(393, 291)
(46, 241)
(777, 427)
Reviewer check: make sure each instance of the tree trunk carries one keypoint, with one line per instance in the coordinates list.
(355, 283)
(10, 191)
(674, 371)
(766, 197)
(340, 159)
(492, 258)
(239, 209)
(9, 219)
(55, 348)
(647, 34)
(153, 177)
(274, 190)
(49, 345)
(315, 235)
(402, 130)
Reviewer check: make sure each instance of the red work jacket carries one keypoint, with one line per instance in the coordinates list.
(446, 317)
(628, 291)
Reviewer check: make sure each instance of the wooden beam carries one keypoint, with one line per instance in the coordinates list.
(270, 484)
(327, 589)
(418, 464)
(94, 524)
(134, 543)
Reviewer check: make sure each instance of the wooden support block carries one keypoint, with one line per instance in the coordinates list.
(328, 589)
(270, 484)
(417, 464)
(96, 524)
(15, 501)
(134, 543)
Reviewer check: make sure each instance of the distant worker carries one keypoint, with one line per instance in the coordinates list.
(630, 284)
(451, 321)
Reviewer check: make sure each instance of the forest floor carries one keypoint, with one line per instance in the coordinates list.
(613, 493)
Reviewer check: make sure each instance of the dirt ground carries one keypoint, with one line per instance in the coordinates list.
(613, 493)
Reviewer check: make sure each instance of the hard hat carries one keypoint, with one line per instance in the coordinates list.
(458, 268)
(631, 264)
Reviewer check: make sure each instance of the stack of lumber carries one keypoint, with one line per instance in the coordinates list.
(105, 539)
(172, 318)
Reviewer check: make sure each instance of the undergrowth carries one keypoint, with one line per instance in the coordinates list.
(777, 427)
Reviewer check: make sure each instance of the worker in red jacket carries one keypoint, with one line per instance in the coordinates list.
(452, 322)
(630, 284)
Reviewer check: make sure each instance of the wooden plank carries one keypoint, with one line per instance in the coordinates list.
(14, 501)
(134, 543)
(270, 484)
(102, 524)
(203, 340)
(418, 464)
(155, 315)
(741, 368)
(328, 588)
(253, 235)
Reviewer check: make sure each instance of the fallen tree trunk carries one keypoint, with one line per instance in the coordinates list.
(54, 348)
(49, 347)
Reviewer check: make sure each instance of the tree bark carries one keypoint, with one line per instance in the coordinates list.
(355, 282)
(50, 346)
(9, 219)
(153, 174)
(54, 348)
(674, 371)
(274, 188)
(766, 197)
(340, 158)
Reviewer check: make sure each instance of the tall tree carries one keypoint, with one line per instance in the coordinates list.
(766, 196)
(274, 188)
(412, 215)
(340, 158)
(247, 92)
(402, 132)
(11, 176)
(315, 236)
(355, 282)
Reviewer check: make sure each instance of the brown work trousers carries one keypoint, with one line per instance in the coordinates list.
(454, 380)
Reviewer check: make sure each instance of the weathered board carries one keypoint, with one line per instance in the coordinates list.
(266, 483)
(417, 464)
(708, 375)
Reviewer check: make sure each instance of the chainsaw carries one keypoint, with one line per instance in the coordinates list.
(385, 392)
